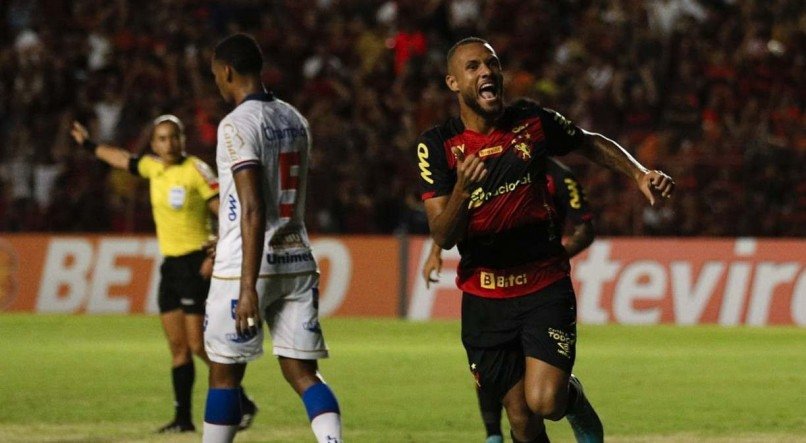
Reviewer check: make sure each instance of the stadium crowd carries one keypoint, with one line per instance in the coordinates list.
(710, 90)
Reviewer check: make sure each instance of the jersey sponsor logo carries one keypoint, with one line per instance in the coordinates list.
(231, 136)
(486, 152)
(564, 341)
(286, 240)
(232, 208)
(479, 197)
(235, 338)
(280, 134)
(489, 280)
(283, 259)
(573, 193)
(566, 124)
(312, 326)
(425, 171)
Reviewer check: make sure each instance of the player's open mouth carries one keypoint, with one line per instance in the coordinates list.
(488, 91)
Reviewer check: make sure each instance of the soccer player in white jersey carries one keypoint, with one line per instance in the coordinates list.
(264, 269)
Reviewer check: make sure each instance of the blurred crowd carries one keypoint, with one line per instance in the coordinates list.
(711, 91)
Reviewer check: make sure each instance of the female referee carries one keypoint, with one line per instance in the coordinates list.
(183, 190)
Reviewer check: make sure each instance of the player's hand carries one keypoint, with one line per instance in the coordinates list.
(209, 247)
(247, 314)
(79, 133)
(206, 269)
(434, 263)
(656, 185)
(470, 172)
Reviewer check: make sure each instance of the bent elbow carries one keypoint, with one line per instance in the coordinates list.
(444, 242)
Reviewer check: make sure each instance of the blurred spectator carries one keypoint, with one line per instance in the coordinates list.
(709, 90)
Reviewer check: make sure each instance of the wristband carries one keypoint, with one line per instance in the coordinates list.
(89, 145)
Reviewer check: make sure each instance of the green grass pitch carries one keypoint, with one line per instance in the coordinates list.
(106, 379)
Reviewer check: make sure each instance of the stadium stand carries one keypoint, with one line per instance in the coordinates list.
(711, 91)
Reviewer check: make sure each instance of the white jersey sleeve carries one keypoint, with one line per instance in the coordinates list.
(272, 135)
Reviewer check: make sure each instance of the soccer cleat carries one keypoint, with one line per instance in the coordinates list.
(494, 439)
(176, 427)
(583, 419)
(249, 410)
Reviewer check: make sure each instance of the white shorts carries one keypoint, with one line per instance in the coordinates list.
(289, 306)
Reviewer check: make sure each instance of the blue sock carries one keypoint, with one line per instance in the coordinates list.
(319, 399)
(223, 406)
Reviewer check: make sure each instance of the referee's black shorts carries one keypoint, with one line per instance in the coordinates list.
(499, 333)
(181, 285)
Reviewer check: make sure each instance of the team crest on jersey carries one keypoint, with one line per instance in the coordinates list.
(523, 150)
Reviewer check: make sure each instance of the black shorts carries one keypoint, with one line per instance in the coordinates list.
(181, 285)
(499, 333)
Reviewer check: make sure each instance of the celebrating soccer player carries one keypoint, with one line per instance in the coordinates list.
(484, 187)
(264, 269)
(569, 199)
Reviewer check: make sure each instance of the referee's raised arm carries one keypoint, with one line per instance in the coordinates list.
(113, 155)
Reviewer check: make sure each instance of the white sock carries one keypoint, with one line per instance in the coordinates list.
(326, 427)
(218, 433)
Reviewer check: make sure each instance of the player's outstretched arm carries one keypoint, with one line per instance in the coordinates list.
(114, 156)
(653, 184)
(447, 215)
(433, 263)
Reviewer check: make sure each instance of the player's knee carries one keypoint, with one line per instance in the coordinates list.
(197, 348)
(519, 415)
(180, 354)
(519, 420)
(300, 374)
(546, 403)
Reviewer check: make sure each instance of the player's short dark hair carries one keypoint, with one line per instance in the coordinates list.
(462, 42)
(242, 52)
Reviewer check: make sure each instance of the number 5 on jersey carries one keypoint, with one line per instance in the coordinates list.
(289, 182)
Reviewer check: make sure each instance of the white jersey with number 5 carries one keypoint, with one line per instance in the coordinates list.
(270, 134)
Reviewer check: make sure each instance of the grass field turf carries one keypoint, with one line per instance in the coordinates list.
(106, 378)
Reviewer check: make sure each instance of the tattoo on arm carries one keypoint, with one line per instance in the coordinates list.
(611, 155)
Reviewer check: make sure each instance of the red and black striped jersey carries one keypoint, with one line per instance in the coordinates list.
(512, 243)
